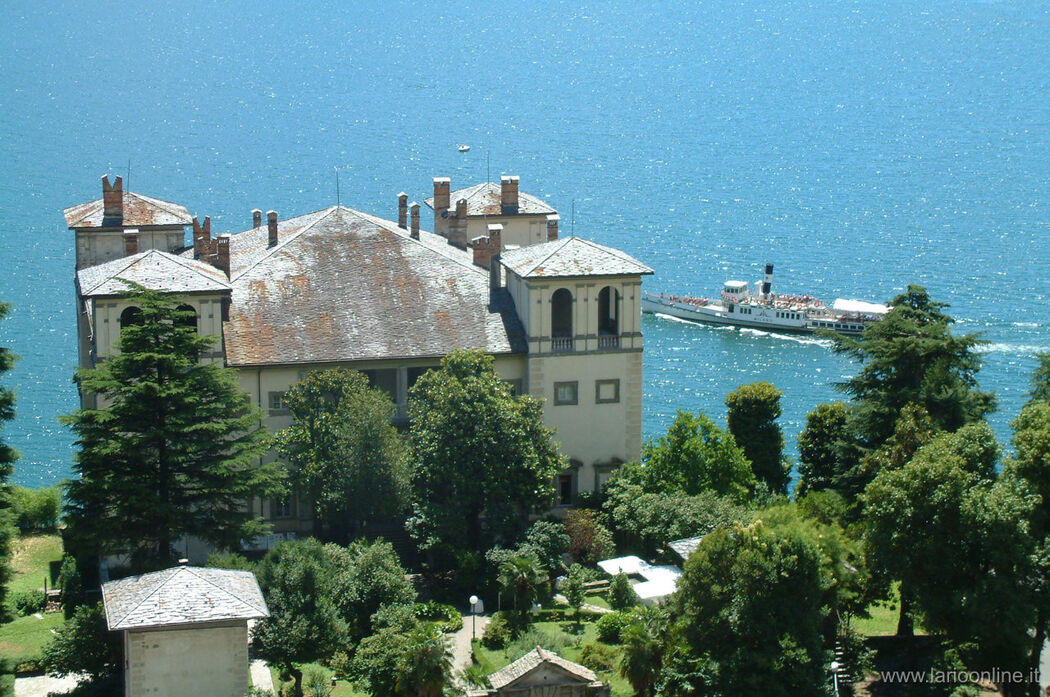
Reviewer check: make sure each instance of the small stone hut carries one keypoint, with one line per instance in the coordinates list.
(185, 630)
(542, 673)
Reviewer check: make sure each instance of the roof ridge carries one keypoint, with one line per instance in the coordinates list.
(269, 253)
(184, 263)
(242, 601)
(140, 255)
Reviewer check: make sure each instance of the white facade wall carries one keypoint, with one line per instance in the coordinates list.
(96, 246)
(196, 661)
(518, 230)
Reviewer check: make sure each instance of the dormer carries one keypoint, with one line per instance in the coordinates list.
(573, 296)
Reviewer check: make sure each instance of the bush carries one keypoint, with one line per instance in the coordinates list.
(610, 626)
(598, 657)
(621, 593)
(36, 510)
(449, 618)
(589, 540)
(230, 560)
(70, 582)
(316, 683)
(27, 602)
(497, 634)
(84, 645)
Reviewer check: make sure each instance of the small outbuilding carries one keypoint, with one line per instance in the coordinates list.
(185, 630)
(652, 584)
(542, 673)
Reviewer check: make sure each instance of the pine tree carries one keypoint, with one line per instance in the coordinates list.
(173, 449)
(7, 457)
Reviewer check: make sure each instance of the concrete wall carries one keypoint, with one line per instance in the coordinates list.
(98, 245)
(197, 661)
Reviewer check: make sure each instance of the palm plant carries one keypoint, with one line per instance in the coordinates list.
(426, 664)
(643, 649)
(523, 578)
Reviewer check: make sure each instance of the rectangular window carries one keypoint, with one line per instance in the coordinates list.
(385, 379)
(606, 391)
(282, 508)
(565, 490)
(277, 404)
(566, 393)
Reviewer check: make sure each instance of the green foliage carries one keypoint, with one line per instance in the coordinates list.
(824, 506)
(611, 625)
(316, 682)
(598, 657)
(621, 593)
(497, 632)
(368, 576)
(449, 619)
(70, 583)
(912, 430)
(25, 603)
(752, 419)
(524, 581)
(344, 454)
(475, 444)
(589, 540)
(824, 448)
(404, 660)
(747, 577)
(36, 510)
(696, 456)
(648, 520)
(549, 542)
(176, 451)
(230, 560)
(1041, 379)
(644, 647)
(304, 625)
(8, 455)
(911, 357)
(84, 645)
(572, 587)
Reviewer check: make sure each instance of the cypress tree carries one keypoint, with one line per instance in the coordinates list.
(8, 455)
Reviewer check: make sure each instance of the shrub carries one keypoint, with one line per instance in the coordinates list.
(589, 540)
(27, 602)
(70, 583)
(36, 510)
(230, 560)
(497, 634)
(621, 593)
(531, 638)
(598, 657)
(84, 645)
(449, 618)
(316, 683)
(611, 625)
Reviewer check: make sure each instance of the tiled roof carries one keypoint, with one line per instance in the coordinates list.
(485, 199)
(532, 660)
(685, 546)
(153, 269)
(139, 210)
(342, 285)
(182, 595)
(571, 256)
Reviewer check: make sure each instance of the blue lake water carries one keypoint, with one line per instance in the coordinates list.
(860, 146)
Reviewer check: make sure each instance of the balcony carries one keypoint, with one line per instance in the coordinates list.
(606, 343)
(562, 344)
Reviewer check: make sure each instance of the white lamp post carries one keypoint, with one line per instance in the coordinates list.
(474, 600)
(835, 675)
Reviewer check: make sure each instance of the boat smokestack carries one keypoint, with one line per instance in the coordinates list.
(767, 280)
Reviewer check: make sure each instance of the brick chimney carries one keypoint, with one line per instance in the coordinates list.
(112, 202)
(256, 218)
(131, 242)
(485, 248)
(402, 210)
(508, 195)
(552, 226)
(202, 243)
(222, 254)
(271, 224)
(442, 194)
(457, 225)
(414, 230)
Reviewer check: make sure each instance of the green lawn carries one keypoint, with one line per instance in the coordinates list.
(884, 616)
(597, 599)
(22, 639)
(342, 688)
(559, 637)
(30, 561)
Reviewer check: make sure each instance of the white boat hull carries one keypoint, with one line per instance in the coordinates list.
(751, 317)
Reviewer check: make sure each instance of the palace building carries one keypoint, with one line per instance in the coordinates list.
(341, 288)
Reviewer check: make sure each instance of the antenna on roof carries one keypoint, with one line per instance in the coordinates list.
(572, 220)
(127, 179)
(488, 166)
(336, 186)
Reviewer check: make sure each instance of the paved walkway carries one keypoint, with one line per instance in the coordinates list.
(462, 656)
(261, 677)
(41, 685)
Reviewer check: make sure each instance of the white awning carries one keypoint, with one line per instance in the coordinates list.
(623, 565)
(843, 305)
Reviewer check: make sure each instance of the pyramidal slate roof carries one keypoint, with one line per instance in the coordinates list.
(534, 659)
(154, 269)
(571, 256)
(342, 285)
(139, 211)
(486, 199)
(182, 595)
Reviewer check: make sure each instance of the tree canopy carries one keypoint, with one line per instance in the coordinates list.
(693, 456)
(483, 459)
(821, 448)
(345, 455)
(8, 455)
(173, 448)
(752, 419)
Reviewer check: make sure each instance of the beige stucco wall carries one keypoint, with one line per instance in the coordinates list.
(97, 246)
(518, 230)
(106, 321)
(197, 661)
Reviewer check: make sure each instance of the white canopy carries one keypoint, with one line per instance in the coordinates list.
(843, 305)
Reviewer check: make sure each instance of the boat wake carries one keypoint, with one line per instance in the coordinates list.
(788, 337)
(1014, 349)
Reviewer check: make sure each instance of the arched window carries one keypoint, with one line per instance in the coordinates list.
(561, 314)
(190, 318)
(130, 316)
(608, 312)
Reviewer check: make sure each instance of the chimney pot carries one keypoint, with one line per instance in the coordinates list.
(112, 202)
(508, 194)
(256, 218)
(414, 230)
(271, 224)
(201, 238)
(402, 210)
(131, 242)
(222, 254)
(552, 226)
(442, 194)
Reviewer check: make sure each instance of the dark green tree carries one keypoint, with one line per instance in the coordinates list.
(911, 357)
(912, 430)
(84, 646)
(1041, 379)
(695, 456)
(70, 583)
(369, 576)
(304, 625)
(573, 590)
(644, 644)
(750, 606)
(404, 658)
(621, 593)
(8, 455)
(549, 542)
(343, 452)
(424, 668)
(823, 448)
(475, 444)
(173, 448)
(752, 419)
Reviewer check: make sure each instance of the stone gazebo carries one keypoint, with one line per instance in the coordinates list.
(542, 673)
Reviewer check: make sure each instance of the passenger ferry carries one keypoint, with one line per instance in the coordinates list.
(760, 308)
